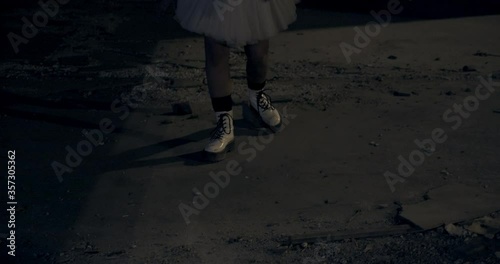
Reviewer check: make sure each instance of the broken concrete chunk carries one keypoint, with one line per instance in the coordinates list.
(486, 226)
(476, 228)
(451, 204)
(455, 230)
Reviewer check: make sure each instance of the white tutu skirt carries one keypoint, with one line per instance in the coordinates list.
(236, 22)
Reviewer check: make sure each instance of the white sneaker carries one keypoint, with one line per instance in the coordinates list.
(261, 103)
(221, 138)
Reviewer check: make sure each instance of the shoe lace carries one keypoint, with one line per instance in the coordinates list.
(264, 100)
(222, 127)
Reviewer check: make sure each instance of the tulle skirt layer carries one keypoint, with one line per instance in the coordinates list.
(236, 22)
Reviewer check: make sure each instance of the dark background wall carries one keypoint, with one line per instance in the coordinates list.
(413, 8)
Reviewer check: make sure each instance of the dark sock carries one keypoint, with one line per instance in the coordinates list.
(256, 86)
(222, 104)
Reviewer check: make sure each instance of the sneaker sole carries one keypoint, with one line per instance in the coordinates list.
(219, 156)
(253, 117)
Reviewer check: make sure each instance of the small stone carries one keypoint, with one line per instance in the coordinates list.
(369, 247)
(497, 254)
(234, 240)
(468, 68)
(115, 253)
(455, 230)
(392, 57)
(445, 173)
(382, 206)
(396, 93)
(373, 143)
(165, 122)
(183, 108)
(481, 54)
(304, 245)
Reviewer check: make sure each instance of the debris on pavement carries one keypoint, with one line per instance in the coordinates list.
(341, 235)
(445, 173)
(115, 254)
(484, 54)
(183, 108)
(451, 204)
(396, 93)
(468, 68)
(455, 230)
(486, 226)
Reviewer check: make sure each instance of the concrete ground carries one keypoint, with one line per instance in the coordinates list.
(347, 124)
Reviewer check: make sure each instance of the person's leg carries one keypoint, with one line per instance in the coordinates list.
(217, 68)
(257, 62)
(220, 90)
(257, 67)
